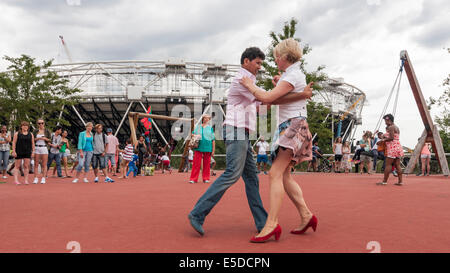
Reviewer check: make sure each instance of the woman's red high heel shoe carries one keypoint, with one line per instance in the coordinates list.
(276, 232)
(312, 223)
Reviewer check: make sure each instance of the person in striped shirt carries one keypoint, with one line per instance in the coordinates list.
(127, 153)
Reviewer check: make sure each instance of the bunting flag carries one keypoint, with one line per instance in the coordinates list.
(147, 122)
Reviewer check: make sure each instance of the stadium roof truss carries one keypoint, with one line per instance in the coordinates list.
(112, 89)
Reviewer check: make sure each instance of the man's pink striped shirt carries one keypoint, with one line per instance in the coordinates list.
(241, 104)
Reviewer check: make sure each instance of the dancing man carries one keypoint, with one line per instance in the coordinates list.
(239, 121)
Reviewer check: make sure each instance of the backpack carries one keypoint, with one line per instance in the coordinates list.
(104, 139)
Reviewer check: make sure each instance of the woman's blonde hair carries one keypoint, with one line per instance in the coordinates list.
(289, 48)
(89, 124)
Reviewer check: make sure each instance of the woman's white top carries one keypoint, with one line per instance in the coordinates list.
(338, 149)
(297, 79)
(40, 141)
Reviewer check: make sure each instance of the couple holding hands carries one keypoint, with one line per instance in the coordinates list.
(291, 141)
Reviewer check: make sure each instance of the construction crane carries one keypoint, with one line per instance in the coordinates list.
(65, 48)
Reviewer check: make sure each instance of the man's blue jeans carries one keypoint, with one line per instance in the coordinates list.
(57, 158)
(4, 160)
(240, 162)
(375, 157)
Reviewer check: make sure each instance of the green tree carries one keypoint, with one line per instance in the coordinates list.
(270, 66)
(29, 92)
(443, 119)
(316, 111)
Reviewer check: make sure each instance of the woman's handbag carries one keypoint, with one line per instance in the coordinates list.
(195, 141)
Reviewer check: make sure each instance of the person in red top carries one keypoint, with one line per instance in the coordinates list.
(425, 157)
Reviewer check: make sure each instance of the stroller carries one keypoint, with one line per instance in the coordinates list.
(325, 165)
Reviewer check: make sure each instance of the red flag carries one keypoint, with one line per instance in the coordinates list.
(147, 122)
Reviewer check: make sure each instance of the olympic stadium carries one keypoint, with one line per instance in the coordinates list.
(112, 89)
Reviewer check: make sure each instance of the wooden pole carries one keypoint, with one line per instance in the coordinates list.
(133, 118)
(136, 122)
(439, 151)
(416, 155)
(186, 147)
(132, 128)
(430, 128)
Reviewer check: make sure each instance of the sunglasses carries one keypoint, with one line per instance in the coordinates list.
(40, 123)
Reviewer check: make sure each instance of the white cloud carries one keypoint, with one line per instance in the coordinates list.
(359, 40)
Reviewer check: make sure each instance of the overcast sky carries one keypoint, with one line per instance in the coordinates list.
(358, 40)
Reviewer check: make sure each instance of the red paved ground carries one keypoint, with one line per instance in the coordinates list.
(149, 214)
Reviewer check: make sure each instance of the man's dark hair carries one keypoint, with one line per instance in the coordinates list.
(57, 128)
(389, 116)
(252, 53)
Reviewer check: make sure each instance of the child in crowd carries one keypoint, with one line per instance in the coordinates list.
(346, 161)
(186, 163)
(148, 169)
(147, 162)
(74, 165)
(127, 155)
(332, 162)
(119, 161)
(357, 156)
(132, 164)
(165, 163)
(157, 161)
(188, 159)
(213, 165)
